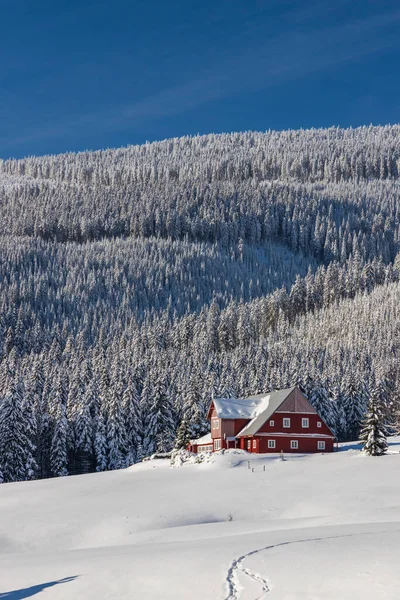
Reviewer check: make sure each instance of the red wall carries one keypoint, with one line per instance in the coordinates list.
(215, 433)
(239, 424)
(305, 444)
(282, 443)
(295, 424)
(227, 427)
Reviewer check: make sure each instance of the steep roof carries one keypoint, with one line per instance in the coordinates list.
(274, 400)
(240, 408)
(257, 408)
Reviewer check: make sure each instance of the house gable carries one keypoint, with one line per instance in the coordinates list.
(211, 410)
(225, 427)
(274, 401)
(296, 402)
(291, 404)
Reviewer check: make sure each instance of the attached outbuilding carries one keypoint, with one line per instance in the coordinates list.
(203, 444)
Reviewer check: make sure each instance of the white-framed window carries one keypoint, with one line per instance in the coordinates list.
(321, 446)
(248, 444)
(294, 444)
(286, 422)
(271, 444)
(205, 448)
(319, 424)
(254, 444)
(305, 423)
(217, 444)
(272, 423)
(215, 423)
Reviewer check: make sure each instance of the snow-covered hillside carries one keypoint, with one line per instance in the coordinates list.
(311, 527)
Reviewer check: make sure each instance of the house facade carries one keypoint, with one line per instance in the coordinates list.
(278, 421)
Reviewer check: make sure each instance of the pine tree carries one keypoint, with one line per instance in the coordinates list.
(182, 435)
(323, 405)
(59, 451)
(16, 446)
(100, 443)
(160, 419)
(84, 438)
(133, 422)
(353, 406)
(29, 417)
(373, 433)
(116, 433)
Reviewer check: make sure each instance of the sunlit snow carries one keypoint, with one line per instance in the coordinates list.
(309, 527)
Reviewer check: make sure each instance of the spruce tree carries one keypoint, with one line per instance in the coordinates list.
(373, 432)
(59, 451)
(116, 434)
(353, 406)
(133, 422)
(182, 435)
(100, 443)
(84, 438)
(160, 420)
(16, 445)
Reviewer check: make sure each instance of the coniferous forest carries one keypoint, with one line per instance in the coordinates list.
(136, 283)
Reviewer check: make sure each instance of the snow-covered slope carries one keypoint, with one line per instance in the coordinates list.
(311, 527)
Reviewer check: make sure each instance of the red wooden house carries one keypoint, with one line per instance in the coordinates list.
(277, 421)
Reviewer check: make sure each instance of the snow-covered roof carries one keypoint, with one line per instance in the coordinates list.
(266, 410)
(206, 439)
(256, 408)
(240, 408)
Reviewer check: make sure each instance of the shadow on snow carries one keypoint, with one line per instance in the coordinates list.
(358, 446)
(33, 590)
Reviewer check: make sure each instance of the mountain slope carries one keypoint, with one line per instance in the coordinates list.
(135, 283)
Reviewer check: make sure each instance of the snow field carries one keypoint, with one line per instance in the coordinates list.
(316, 527)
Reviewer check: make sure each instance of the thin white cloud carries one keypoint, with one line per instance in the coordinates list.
(257, 66)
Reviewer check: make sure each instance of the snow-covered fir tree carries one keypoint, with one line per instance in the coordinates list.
(100, 443)
(373, 433)
(182, 435)
(59, 442)
(16, 437)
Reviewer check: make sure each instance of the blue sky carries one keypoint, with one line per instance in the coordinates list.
(91, 74)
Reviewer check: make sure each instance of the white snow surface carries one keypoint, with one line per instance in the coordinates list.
(241, 408)
(205, 439)
(316, 527)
